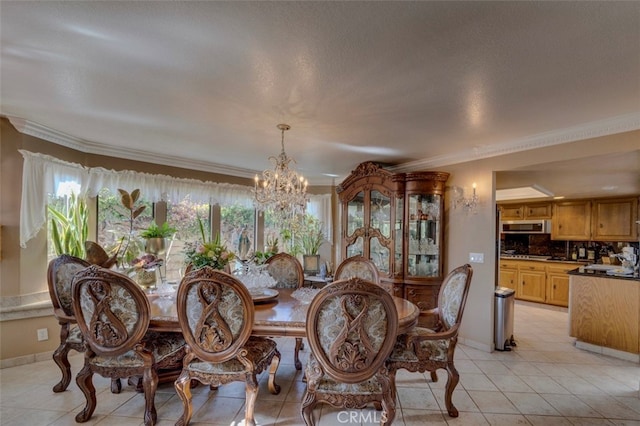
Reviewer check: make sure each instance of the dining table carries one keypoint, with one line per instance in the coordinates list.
(281, 314)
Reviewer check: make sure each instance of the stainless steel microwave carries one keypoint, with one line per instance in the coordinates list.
(525, 227)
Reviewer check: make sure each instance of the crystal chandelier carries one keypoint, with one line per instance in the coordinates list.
(281, 191)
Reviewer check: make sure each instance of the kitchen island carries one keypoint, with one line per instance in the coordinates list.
(604, 313)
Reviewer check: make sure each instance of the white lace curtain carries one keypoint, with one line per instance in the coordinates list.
(42, 174)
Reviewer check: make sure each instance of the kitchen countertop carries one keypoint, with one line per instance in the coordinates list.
(602, 274)
(547, 259)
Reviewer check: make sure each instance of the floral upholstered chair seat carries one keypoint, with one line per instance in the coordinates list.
(259, 351)
(409, 345)
(113, 315)
(351, 328)
(216, 313)
(424, 349)
(165, 347)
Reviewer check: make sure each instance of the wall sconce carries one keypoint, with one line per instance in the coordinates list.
(470, 204)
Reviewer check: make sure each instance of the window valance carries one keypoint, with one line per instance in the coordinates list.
(42, 174)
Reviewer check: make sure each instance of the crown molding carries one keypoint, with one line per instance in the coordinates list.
(609, 126)
(618, 124)
(43, 132)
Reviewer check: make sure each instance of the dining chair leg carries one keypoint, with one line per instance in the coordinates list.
(274, 388)
(296, 354)
(150, 384)
(434, 376)
(452, 382)
(308, 404)
(60, 357)
(251, 391)
(84, 380)
(183, 389)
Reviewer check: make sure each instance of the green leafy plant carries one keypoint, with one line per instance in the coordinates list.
(132, 246)
(311, 235)
(69, 227)
(155, 231)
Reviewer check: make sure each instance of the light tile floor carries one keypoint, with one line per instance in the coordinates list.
(544, 381)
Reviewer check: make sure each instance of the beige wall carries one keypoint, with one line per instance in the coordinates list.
(22, 271)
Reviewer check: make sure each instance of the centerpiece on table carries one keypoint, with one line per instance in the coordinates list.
(144, 268)
(208, 253)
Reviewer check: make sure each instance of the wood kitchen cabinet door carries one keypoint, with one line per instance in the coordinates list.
(508, 275)
(615, 219)
(532, 280)
(558, 289)
(572, 221)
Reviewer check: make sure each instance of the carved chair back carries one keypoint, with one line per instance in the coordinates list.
(351, 328)
(216, 313)
(112, 311)
(358, 266)
(286, 270)
(59, 277)
(453, 296)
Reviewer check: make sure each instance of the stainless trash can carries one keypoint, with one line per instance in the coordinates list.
(504, 318)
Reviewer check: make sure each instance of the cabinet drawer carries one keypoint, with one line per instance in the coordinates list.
(532, 266)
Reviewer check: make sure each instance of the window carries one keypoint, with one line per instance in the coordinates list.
(115, 225)
(237, 230)
(184, 217)
(67, 221)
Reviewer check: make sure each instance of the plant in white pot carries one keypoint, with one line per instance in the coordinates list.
(311, 237)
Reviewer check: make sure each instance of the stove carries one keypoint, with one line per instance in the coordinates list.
(523, 256)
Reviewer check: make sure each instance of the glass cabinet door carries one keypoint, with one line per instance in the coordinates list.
(380, 213)
(424, 228)
(355, 213)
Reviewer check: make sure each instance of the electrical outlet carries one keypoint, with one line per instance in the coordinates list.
(476, 257)
(43, 334)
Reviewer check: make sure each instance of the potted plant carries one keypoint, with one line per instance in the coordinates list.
(69, 226)
(311, 237)
(208, 253)
(156, 237)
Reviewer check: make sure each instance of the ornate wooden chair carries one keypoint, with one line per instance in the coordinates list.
(288, 273)
(216, 313)
(428, 350)
(113, 315)
(357, 266)
(59, 275)
(351, 329)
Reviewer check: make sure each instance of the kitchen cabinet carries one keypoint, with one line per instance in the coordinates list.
(397, 221)
(532, 211)
(537, 281)
(531, 282)
(571, 221)
(558, 284)
(601, 219)
(508, 274)
(615, 219)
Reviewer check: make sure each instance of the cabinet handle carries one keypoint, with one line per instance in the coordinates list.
(554, 286)
(601, 226)
(523, 283)
(412, 292)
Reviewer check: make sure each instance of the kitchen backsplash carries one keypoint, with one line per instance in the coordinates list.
(543, 245)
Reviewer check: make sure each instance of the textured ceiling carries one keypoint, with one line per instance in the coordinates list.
(204, 84)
